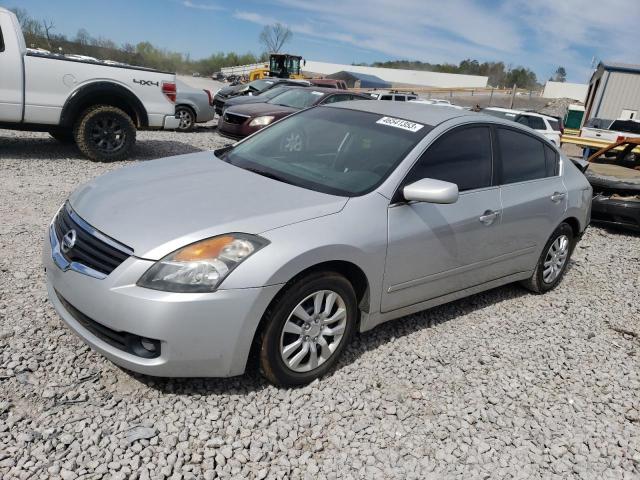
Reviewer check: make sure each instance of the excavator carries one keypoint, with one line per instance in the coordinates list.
(281, 65)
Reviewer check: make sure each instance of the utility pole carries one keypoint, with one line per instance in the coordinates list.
(513, 95)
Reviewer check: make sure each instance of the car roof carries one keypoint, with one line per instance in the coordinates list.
(415, 112)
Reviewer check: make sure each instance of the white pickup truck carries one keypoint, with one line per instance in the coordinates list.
(97, 105)
(610, 131)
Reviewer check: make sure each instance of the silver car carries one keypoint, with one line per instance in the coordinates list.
(193, 106)
(328, 222)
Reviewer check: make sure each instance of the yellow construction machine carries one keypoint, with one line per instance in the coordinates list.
(281, 65)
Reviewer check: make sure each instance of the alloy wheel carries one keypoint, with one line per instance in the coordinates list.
(107, 134)
(313, 331)
(186, 119)
(555, 259)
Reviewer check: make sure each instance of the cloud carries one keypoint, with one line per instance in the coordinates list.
(200, 6)
(536, 33)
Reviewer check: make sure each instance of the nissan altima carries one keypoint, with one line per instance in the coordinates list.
(327, 223)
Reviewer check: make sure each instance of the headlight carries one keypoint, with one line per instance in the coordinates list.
(201, 266)
(261, 121)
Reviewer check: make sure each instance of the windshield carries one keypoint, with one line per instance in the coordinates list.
(330, 150)
(274, 92)
(298, 98)
(259, 85)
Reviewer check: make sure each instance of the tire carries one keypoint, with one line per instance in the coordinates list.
(63, 136)
(542, 280)
(105, 134)
(187, 118)
(294, 303)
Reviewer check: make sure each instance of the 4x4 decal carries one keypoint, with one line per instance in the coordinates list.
(146, 83)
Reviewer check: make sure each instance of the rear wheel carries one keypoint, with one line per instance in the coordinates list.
(187, 118)
(105, 134)
(553, 261)
(63, 135)
(307, 329)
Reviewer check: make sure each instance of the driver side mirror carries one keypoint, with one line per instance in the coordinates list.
(431, 191)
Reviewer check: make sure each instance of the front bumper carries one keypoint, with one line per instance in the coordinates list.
(199, 335)
(615, 212)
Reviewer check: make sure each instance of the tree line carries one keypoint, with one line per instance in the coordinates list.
(41, 34)
(500, 75)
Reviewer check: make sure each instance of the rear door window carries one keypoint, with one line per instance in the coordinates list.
(400, 98)
(551, 161)
(522, 156)
(462, 157)
(386, 97)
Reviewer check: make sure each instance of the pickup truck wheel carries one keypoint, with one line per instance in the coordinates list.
(105, 134)
(187, 118)
(63, 136)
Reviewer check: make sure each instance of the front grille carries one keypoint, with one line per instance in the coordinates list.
(125, 341)
(234, 119)
(88, 250)
(218, 105)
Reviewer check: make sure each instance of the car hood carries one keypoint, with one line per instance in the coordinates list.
(245, 100)
(259, 109)
(161, 205)
(231, 91)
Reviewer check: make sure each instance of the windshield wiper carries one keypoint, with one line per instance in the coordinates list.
(270, 175)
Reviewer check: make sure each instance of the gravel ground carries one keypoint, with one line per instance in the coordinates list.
(500, 385)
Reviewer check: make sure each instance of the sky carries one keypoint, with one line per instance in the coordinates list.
(539, 34)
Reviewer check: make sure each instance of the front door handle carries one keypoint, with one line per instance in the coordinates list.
(489, 216)
(557, 196)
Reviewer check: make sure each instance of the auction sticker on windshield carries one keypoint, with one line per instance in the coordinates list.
(399, 123)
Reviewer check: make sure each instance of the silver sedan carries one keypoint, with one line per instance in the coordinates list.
(326, 223)
(193, 106)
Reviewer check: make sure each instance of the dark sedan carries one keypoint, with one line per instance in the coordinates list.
(262, 97)
(252, 88)
(243, 120)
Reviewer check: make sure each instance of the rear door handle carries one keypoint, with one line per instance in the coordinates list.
(489, 216)
(557, 196)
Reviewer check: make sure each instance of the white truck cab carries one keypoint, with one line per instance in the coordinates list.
(95, 104)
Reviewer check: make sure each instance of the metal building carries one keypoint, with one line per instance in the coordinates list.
(614, 92)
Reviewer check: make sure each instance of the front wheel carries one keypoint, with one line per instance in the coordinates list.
(553, 261)
(105, 134)
(307, 329)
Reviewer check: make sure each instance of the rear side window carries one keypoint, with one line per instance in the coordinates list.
(1, 41)
(411, 98)
(522, 156)
(532, 122)
(462, 157)
(555, 125)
